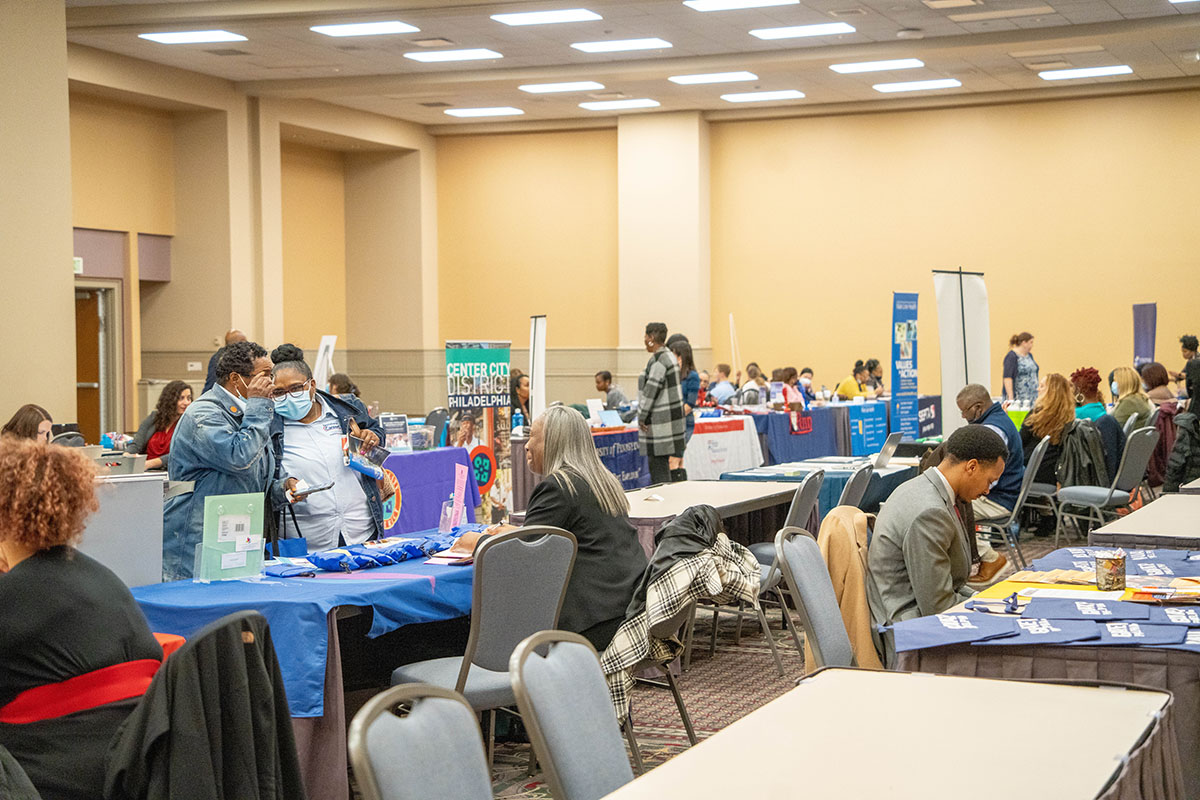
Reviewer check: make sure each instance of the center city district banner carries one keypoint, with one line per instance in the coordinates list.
(477, 391)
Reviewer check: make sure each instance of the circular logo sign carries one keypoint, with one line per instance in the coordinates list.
(391, 506)
(483, 464)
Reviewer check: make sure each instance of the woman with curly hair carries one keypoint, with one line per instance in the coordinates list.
(1089, 403)
(153, 436)
(75, 649)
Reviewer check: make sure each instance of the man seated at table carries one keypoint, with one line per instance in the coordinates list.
(721, 390)
(975, 404)
(614, 396)
(918, 562)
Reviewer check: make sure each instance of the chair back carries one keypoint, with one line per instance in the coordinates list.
(808, 494)
(566, 707)
(1153, 421)
(856, 488)
(1129, 424)
(520, 580)
(433, 752)
(1031, 470)
(808, 581)
(437, 419)
(1135, 459)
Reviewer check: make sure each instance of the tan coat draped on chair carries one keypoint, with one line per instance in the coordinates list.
(843, 543)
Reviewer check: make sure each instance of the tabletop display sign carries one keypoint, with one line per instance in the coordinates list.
(477, 390)
(232, 544)
(904, 364)
(395, 432)
(1145, 328)
(868, 428)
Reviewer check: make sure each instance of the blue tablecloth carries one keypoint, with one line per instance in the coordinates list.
(619, 453)
(786, 446)
(297, 609)
(426, 479)
(880, 488)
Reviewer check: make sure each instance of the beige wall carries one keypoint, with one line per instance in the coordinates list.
(1073, 209)
(314, 244)
(527, 224)
(122, 166)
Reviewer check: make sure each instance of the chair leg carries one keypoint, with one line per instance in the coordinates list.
(687, 642)
(491, 740)
(737, 635)
(766, 629)
(1057, 523)
(712, 643)
(634, 751)
(683, 712)
(790, 624)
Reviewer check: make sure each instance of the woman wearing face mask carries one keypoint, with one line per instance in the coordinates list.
(154, 435)
(791, 391)
(1130, 399)
(1156, 383)
(805, 384)
(220, 443)
(310, 439)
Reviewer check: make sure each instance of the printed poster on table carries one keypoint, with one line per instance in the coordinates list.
(904, 364)
(477, 391)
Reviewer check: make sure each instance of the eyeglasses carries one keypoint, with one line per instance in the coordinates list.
(296, 391)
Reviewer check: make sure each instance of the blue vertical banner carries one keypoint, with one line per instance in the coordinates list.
(1145, 327)
(904, 364)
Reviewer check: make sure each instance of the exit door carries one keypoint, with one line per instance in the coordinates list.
(96, 362)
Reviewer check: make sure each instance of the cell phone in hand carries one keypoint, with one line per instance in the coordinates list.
(300, 494)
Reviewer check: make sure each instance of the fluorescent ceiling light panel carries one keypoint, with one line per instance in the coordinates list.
(917, 86)
(547, 17)
(617, 105)
(759, 97)
(574, 86)
(618, 45)
(1085, 72)
(475, 54)
(1181, 2)
(978, 16)
(877, 66)
(734, 5)
(192, 37)
(713, 77)
(365, 28)
(796, 31)
(497, 111)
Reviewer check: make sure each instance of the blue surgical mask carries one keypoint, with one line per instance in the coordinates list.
(293, 408)
(1115, 390)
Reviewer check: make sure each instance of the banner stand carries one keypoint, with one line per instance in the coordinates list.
(964, 333)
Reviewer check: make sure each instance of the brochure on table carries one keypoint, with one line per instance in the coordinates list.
(232, 544)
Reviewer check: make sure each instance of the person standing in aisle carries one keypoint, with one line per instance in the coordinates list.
(660, 417)
(1020, 371)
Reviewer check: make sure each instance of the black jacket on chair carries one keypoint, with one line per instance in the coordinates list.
(214, 724)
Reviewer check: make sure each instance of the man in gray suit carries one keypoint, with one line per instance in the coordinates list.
(918, 562)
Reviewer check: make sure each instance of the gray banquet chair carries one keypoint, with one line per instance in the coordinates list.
(395, 757)
(1004, 525)
(800, 512)
(1129, 425)
(1098, 500)
(856, 488)
(808, 581)
(565, 705)
(520, 580)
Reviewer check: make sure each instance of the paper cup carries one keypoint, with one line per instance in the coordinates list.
(1110, 572)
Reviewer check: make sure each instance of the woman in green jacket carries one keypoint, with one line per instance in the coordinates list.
(1130, 397)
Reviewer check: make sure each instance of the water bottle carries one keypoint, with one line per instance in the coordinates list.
(518, 420)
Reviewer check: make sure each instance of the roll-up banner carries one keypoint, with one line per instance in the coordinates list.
(1145, 328)
(904, 364)
(478, 397)
(964, 334)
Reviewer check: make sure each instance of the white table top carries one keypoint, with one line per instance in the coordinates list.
(1191, 488)
(1169, 515)
(797, 467)
(730, 498)
(866, 734)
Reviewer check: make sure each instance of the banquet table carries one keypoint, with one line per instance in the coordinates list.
(1191, 488)
(1172, 520)
(759, 507)
(1174, 668)
(426, 479)
(883, 481)
(824, 738)
(302, 613)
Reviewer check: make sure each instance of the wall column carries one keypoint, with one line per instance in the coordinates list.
(663, 230)
(35, 209)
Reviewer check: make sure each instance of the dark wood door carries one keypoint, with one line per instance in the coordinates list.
(87, 363)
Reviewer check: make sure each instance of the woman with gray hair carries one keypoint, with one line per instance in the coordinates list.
(580, 495)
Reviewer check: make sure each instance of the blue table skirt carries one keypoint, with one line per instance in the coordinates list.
(619, 453)
(297, 610)
(784, 446)
(426, 479)
(880, 488)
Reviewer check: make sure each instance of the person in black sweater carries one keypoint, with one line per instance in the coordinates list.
(580, 495)
(65, 615)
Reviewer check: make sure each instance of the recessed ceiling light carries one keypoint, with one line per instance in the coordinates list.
(733, 5)
(1180, 2)
(796, 31)
(574, 86)
(758, 97)
(475, 54)
(192, 37)
(939, 4)
(713, 77)
(365, 28)
(917, 86)
(497, 111)
(617, 45)
(877, 66)
(616, 105)
(1085, 72)
(547, 17)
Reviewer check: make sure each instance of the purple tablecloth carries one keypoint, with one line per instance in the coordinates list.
(426, 481)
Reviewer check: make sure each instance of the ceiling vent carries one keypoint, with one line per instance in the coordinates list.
(1041, 65)
(435, 42)
(228, 51)
(849, 12)
(609, 96)
(435, 104)
(951, 3)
